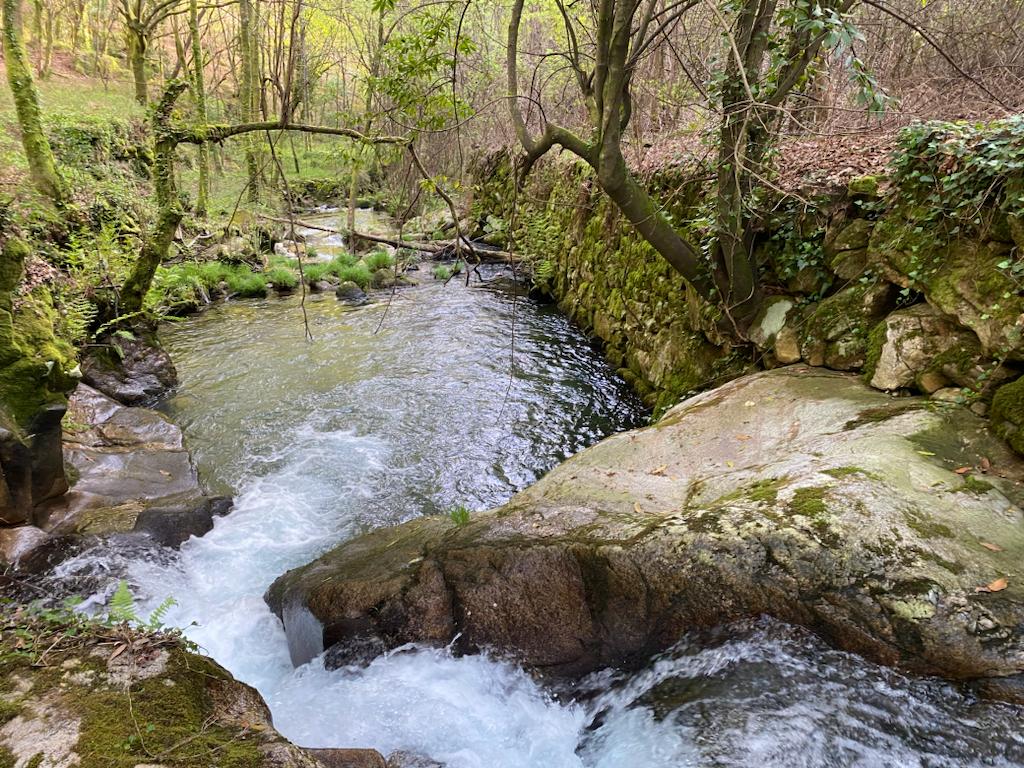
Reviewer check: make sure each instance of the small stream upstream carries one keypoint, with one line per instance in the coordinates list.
(413, 407)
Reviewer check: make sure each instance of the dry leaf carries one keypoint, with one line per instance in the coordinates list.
(996, 586)
(749, 404)
(638, 508)
(165, 473)
(730, 464)
(962, 470)
(659, 470)
(986, 465)
(118, 651)
(742, 437)
(991, 547)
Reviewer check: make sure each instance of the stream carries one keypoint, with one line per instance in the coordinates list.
(449, 395)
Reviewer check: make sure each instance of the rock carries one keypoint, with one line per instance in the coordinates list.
(28, 549)
(173, 526)
(771, 319)
(126, 459)
(798, 493)
(787, 346)
(1008, 414)
(348, 758)
(403, 759)
(191, 712)
(321, 286)
(932, 381)
(960, 278)
(31, 465)
(948, 395)
(350, 293)
(140, 374)
(913, 341)
(836, 329)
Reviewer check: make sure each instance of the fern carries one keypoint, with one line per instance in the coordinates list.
(156, 618)
(122, 605)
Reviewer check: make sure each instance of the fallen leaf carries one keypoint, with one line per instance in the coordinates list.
(118, 651)
(659, 470)
(636, 506)
(730, 464)
(742, 437)
(996, 586)
(962, 470)
(986, 465)
(165, 473)
(610, 474)
(991, 547)
(749, 404)
(926, 453)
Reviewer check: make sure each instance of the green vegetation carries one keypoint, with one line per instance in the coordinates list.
(459, 514)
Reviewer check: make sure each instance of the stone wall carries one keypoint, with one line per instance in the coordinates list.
(857, 280)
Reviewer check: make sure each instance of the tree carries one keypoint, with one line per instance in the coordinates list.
(26, 104)
(141, 19)
(199, 90)
(768, 46)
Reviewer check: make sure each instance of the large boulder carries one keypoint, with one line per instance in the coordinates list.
(123, 460)
(799, 493)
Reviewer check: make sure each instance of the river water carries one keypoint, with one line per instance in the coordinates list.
(454, 395)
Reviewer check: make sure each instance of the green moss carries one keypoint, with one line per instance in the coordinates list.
(840, 472)
(169, 717)
(873, 349)
(8, 710)
(1007, 414)
(809, 502)
(922, 524)
(764, 491)
(975, 485)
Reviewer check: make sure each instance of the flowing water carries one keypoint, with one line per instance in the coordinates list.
(461, 396)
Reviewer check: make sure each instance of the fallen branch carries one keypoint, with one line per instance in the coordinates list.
(438, 248)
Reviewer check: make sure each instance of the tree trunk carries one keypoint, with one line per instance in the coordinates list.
(158, 242)
(199, 89)
(137, 61)
(247, 94)
(26, 103)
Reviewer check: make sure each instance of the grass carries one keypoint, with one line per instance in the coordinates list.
(281, 278)
(357, 273)
(378, 260)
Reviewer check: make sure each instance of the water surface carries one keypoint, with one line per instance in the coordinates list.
(447, 396)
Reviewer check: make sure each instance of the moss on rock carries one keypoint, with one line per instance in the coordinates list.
(1007, 414)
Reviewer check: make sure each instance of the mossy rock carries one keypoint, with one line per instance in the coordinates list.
(1007, 414)
(97, 709)
(798, 493)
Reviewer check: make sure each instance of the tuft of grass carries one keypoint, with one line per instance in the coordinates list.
(281, 278)
(378, 260)
(441, 272)
(459, 514)
(357, 273)
(314, 273)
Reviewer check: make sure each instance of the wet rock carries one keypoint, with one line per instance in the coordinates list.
(348, 758)
(322, 286)
(27, 549)
(798, 493)
(140, 373)
(403, 759)
(173, 526)
(125, 459)
(350, 293)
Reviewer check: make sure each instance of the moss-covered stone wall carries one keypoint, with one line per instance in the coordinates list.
(916, 281)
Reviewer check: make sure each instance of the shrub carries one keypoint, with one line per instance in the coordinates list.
(314, 273)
